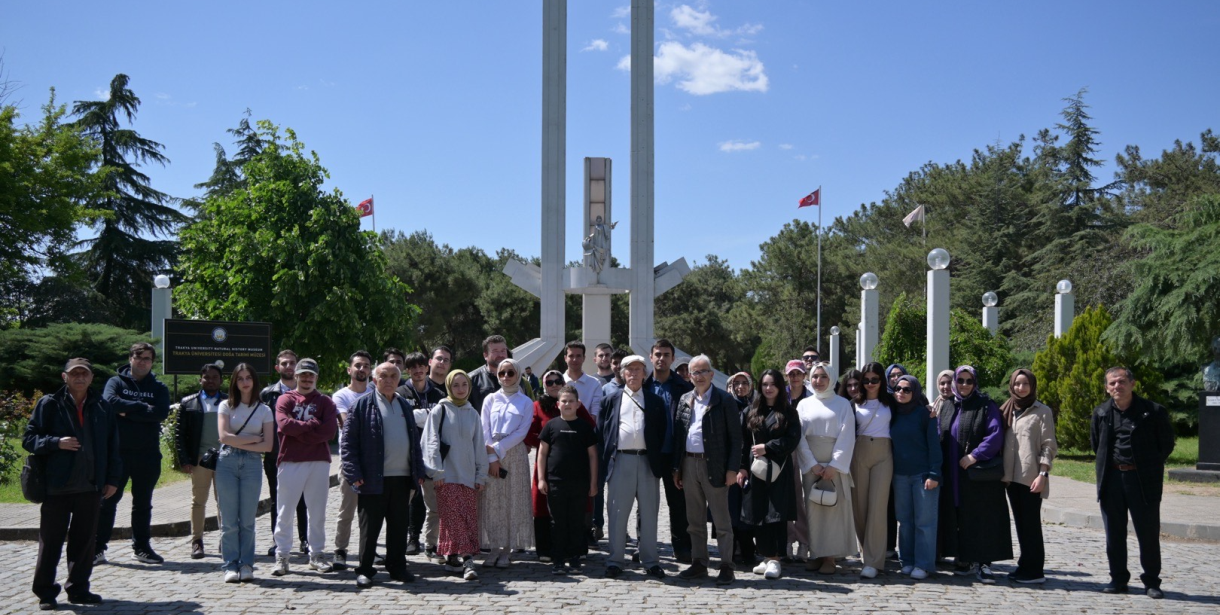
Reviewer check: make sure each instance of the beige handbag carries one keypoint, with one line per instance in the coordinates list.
(765, 469)
(823, 493)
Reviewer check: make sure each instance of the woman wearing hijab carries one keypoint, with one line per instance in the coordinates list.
(456, 459)
(872, 467)
(917, 464)
(741, 387)
(504, 507)
(828, 439)
(892, 374)
(772, 432)
(545, 409)
(1029, 450)
(944, 386)
(974, 516)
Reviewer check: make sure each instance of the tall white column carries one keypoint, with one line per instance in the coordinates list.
(162, 308)
(938, 315)
(991, 313)
(870, 316)
(554, 167)
(642, 177)
(834, 349)
(1065, 307)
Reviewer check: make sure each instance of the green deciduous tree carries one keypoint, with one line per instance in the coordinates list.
(696, 316)
(282, 250)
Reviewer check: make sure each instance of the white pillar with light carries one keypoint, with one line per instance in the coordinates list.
(834, 349)
(938, 314)
(870, 315)
(1065, 307)
(991, 313)
(162, 308)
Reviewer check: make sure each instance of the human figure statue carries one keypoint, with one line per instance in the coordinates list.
(597, 245)
(1211, 371)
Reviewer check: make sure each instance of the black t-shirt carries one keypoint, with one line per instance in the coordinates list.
(567, 463)
(1123, 425)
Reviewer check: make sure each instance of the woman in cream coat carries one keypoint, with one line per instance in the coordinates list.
(828, 439)
(505, 519)
(1029, 450)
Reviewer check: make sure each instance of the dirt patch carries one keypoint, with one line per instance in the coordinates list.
(1199, 489)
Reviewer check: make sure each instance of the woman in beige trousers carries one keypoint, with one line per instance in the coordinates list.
(872, 467)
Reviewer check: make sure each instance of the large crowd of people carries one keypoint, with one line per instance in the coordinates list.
(797, 465)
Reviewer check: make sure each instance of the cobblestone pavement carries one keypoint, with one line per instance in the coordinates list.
(1076, 571)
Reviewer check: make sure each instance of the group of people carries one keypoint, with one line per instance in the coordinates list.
(439, 458)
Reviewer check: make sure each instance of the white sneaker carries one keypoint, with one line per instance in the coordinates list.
(232, 576)
(281, 566)
(100, 558)
(320, 563)
(907, 569)
(469, 574)
(919, 574)
(505, 557)
(761, 567)
(773, 569)
(247, 573)
(491, 558)
(868, 572)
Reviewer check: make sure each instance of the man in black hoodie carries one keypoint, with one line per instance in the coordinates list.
(141, 404)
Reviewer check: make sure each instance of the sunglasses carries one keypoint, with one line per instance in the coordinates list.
(907, 390)
(810, 357)
(507, 374)
(872, 381)
(964, 381)
(554, 383)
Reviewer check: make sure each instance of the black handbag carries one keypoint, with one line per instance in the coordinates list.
(209, 458)
(34, 479)
(440, 433)
(988, 471)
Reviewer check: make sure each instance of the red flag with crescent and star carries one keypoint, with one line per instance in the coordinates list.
(813, 199)
(365, 207)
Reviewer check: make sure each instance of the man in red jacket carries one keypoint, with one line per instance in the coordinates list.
(306, 420)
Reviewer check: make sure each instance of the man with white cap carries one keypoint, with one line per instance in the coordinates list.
(74, 434)
(631, 433)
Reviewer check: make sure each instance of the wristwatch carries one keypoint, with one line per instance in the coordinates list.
(1046, 474)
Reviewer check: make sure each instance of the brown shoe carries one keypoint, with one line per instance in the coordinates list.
(197, 549)
(696, 571)
(828, 566)
(726, 575)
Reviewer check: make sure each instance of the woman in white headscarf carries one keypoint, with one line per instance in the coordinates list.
(505, 522)
(828, 439)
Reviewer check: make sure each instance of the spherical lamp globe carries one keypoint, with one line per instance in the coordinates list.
(938, 259)
(161, 281)
(1063, 287)
(990, 299)
(868, 281)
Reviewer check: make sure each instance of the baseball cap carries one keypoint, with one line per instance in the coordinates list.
(795, 364)
(632, 359)
(77, 363)
(307, 366)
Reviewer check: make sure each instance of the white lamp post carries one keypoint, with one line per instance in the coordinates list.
(991, 313)
(938, 313)
(162, 308)
(834, 349)
(1065, 307)
(870, 310)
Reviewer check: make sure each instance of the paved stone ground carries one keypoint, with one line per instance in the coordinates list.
(1076, 570)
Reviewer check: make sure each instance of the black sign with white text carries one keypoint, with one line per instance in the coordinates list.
(189, 344)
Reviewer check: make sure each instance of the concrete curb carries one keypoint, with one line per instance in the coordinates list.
(1072, 517)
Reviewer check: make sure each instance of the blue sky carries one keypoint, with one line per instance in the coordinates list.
(435, 107)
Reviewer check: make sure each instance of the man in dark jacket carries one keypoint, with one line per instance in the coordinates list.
(196, 431)
(141, 403)
(631, 429)
(483, 381)
(74, 432)
(285, 366)
(1132, 438)
(384, 463)
(707, 455)
(670, 387)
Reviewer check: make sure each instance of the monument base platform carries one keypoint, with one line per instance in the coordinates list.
(1192, 475)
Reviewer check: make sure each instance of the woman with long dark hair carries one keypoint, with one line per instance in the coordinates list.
(872, 467)
(771, 434)
(849, 387)
(973, 513)
(247, 428)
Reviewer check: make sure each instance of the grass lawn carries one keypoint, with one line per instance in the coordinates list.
(1078, 465)
(10, 491)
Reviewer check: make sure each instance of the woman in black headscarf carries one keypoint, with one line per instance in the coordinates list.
(1029, 449)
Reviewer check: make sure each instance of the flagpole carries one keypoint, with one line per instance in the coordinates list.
(819, 322)
(373, 204)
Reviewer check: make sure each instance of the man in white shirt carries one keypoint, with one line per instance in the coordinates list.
(631, 429)
(590, 388)
(359, 366)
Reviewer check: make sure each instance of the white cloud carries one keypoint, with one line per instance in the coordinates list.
(597, 44)
(620, 28)
(702, 70)
(739, 146)
(703, 23)
(785, 146)
(162, 96)
(101, 93)
(622, 12)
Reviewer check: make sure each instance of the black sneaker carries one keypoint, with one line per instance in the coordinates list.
(47, 605)
(574, 565)
(1114, 588)
(985, 575)
(402, 576)
(85, 598)
(147, 555)
(413, 546)
(613, 572)
(1023, 579)
(559, 570)
(656, 572)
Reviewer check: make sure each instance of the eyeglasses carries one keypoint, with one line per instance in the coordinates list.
(554, 383)
(872, 381)
(906, 390)
(964, 382)
(701, 372)
(507, 373)
(441, 359)
(810, 357)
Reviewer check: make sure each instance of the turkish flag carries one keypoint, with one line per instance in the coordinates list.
(365, 207)
(813, 199)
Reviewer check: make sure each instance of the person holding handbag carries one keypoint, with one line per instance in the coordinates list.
(828, 434)
(771, 433)
(973, 514)
(505, 523)
(246, 428)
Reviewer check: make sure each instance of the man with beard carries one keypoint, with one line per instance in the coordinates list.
(359, 365)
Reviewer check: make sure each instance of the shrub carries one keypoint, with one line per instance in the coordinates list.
(905, 341)
(32, 359)
(15, 410)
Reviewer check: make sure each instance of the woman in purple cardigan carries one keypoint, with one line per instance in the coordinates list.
(973, 514)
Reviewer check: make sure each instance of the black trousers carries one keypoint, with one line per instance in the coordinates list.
(1121, 494)
(542, 535)
(676, 500)
(143, 468)
(418, 513)
(772, 539)
(1027, 516)
(73, 517)
(389, 508)
(569, 534)
(270, 471)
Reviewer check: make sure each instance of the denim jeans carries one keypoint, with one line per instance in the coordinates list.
(916, 509)
(239, 481)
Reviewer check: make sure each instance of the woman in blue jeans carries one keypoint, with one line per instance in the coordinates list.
(247, 428)
(917, 460)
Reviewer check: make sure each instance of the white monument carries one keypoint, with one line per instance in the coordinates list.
(595, 280)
